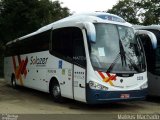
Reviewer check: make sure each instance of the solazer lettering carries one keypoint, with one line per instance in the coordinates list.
(38, 61)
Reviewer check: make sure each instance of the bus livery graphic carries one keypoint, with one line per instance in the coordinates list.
(109, 78)
(21, 69)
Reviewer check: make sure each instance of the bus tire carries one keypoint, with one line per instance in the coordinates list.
(55, 92)
(13, 82)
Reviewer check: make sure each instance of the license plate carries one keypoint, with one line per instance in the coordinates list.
(125, 96)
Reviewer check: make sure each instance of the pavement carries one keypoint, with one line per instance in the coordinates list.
(28, 103)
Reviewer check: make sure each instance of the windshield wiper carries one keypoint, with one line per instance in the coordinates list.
(120, 54)
(113, 63)
(123, 56)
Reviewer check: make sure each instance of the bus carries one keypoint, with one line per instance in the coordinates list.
(93, 58)
(152, 51)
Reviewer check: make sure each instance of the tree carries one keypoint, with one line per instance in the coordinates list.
(126, 10)
(145, 12)
(151, 14)
(20, 17)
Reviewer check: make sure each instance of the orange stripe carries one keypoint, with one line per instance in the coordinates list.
(25, 73)
(20, 69)
(110, 82)
(108, 79)
(21, 81)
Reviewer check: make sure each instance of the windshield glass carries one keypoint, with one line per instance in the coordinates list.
(116, 50)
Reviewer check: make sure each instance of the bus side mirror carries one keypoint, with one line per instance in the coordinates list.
(150, 35)
(91, 31)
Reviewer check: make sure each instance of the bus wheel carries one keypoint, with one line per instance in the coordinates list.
(13, 82)
(55, 92)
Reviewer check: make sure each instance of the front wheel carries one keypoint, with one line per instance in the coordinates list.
(55, 92)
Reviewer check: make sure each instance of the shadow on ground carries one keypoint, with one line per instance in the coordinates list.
(155, 99)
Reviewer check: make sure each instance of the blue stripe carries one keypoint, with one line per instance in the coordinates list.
(99, 96)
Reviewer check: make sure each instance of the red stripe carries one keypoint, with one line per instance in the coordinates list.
(114, 77)
(24, 66)
(25, 73)
(101, 74)
(108, 74)
(111, 77)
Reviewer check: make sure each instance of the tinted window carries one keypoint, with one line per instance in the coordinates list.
(37, 43)
(149, 52)
(67, 43)
(154, 63)
(157, 52)
(62, 42)
(79, 51)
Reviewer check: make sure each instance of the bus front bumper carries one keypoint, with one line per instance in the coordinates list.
(99, 96)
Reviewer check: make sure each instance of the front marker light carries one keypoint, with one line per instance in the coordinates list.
(97, 86)
(145, 85)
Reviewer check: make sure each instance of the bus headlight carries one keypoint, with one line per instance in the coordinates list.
(97, 86)
(145, 85)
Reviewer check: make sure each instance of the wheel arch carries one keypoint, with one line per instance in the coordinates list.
(52, 80)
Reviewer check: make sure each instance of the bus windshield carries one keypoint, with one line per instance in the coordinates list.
(116, 50)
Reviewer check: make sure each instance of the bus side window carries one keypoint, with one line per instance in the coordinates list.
(149, 52)
(62, 43)
(67, 43)
(79, 50)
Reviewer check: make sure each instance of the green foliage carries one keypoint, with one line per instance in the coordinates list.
(20, 17)
(152, 11)
(145, 12)
(125, 9)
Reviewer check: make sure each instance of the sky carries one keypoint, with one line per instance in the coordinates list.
(82, 6)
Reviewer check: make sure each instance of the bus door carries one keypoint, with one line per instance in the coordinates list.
(79, 67)
(67, 44)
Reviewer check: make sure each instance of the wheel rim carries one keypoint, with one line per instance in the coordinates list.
(56, 91)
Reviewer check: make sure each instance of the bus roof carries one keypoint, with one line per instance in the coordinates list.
(154, 27)
(86, 17)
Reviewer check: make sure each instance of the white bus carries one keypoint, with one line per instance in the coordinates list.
(92, 58)
(152, 51)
